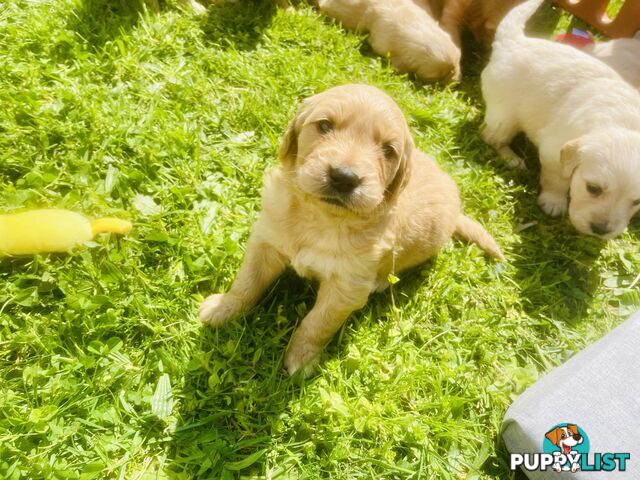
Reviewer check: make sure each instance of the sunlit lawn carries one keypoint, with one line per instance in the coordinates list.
(170, 120)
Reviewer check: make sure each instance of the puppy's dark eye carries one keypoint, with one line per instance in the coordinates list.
(389, 151)
(636, 202)
(325, 126)
(594, 190)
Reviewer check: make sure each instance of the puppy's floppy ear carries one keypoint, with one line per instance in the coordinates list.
(573, 429)
(403, 172)
(289, 144)
(570, 156)
(554, 435)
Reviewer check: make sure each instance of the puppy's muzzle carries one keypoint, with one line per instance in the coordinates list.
(601, 228)
(343, 180)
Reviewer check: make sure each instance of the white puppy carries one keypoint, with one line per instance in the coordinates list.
(623, 55)
(583, 117)
(404, 30)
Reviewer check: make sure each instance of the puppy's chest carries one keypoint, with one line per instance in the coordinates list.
(323, 251)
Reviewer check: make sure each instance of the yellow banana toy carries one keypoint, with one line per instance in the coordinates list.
(52, 230)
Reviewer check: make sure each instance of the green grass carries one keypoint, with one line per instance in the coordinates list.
(170, 120)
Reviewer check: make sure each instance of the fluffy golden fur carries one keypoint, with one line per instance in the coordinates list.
(480, 17)
(352, 202)
(403, 29)
(583, 117)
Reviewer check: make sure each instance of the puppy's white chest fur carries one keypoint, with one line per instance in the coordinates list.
(319, 245)
(315, 260)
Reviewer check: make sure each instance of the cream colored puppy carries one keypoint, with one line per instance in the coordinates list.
(401, 28)
(352, 202)
(623, 55)
(583, 117)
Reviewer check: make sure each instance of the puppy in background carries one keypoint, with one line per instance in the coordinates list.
(583, 117)
(352, 202)
(623, 55)
(403, 29)
(480, 17)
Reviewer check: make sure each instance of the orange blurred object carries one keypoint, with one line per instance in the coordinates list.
(594, 12)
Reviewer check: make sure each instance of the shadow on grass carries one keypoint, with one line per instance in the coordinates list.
(560, 284)
(228, 25)
(236, 394)
(237, 25)
(100, 21)
(236, 389)
(500, 469)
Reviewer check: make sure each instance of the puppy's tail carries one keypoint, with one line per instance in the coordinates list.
(470, 230)
(512, 26)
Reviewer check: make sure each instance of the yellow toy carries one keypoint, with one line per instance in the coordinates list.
(53, 230)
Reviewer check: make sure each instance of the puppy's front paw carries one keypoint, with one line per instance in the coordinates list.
(514, 161)
(552, 203)
(217, 309)
(301, 355)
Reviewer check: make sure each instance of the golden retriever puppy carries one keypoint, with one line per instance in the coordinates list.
(480, 17)
(623, 55)
(406, 32)
(351, 203)
(583, 117)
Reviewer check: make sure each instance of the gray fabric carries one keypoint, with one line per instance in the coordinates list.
(599, 390)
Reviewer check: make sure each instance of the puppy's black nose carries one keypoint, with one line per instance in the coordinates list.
(343, 179)
(600, 228)
(577, 437)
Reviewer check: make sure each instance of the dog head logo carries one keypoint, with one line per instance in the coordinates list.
(567, 442)
(565, 437)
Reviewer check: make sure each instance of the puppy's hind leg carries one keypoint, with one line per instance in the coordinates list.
(499, 129)
(336, 300)
(261, 266)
